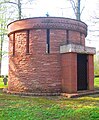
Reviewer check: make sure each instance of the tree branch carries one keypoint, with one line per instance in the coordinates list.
(73, 5)
(8, 2)
(82, 10)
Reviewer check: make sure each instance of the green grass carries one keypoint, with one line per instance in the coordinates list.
(49, 108)
(2, 84)
(96, 82)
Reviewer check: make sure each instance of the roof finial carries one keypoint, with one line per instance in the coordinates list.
(47, 15)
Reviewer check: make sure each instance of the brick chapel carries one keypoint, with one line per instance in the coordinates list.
(48, 56)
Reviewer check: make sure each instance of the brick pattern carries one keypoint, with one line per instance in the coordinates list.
(37, 71)
(69, 72)
(48, 22)
(90, 72)
(20, 43)
(82, 39)
(35, 75)
(74, 37)
(57, 38)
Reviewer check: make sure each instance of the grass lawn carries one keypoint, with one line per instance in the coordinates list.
(49, 108)
(96, 82)
(2, 84)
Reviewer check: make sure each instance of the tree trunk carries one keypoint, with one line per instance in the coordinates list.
(78, 9)
(19, 9)
(1, 46)
(0, 67)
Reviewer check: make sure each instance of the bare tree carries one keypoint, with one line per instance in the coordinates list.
(9, 10)
(3, 33)
(17, 3)
(76, 5)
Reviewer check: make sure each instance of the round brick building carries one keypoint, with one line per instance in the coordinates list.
(43, 55)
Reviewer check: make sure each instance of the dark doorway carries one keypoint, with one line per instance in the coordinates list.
(81, 72)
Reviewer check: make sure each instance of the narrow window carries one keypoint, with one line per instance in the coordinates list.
(48, 41)
(67, 37)
(13, 44)
(80, 38)
(27, 42)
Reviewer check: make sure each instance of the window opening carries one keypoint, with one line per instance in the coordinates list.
(48, 41)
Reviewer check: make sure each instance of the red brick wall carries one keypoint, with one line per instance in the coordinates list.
(82, 39)
(36, 71)
(57, 38)
(74, 37)
(90, 72)
(69, 72)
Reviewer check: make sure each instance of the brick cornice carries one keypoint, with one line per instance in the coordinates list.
(48, 22)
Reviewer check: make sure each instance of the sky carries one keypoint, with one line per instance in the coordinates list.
(62, 8)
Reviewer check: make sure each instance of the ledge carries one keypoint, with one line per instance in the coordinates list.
(68, 95)
(32, 94)
(80, 93)
(77, 49)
